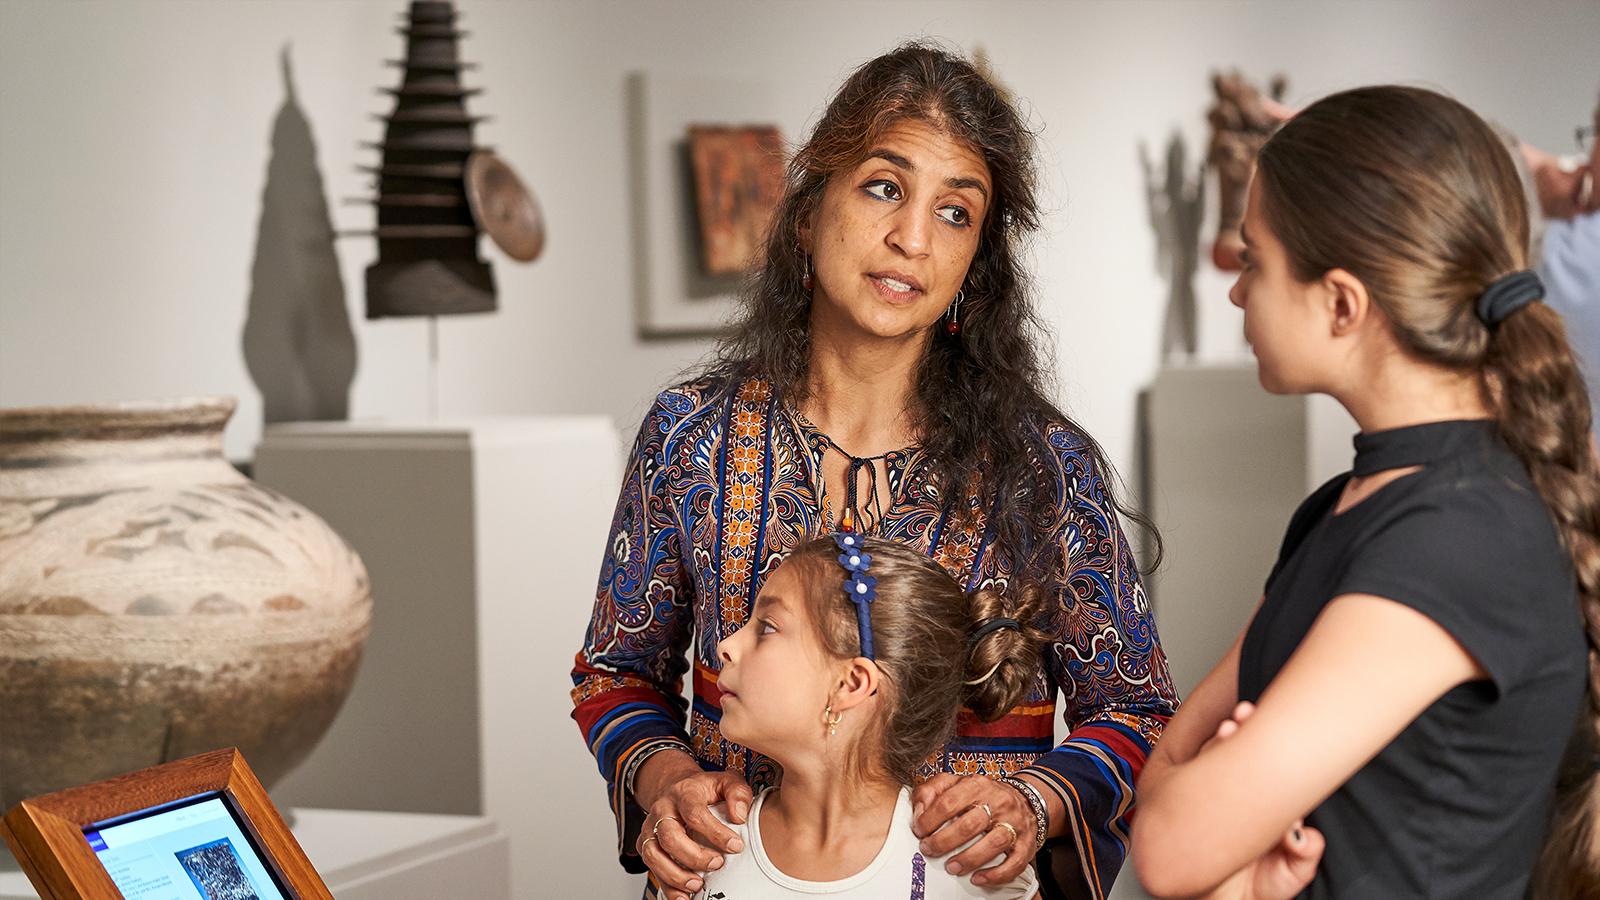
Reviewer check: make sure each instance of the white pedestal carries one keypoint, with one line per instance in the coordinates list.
(385, 856)
(484, 541)
(1227, 463)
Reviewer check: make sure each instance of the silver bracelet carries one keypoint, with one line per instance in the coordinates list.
(1035, 800)
(637, 763)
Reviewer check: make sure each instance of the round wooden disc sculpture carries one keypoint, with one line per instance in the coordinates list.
(156, 604)
(503, 207)
(428, 193)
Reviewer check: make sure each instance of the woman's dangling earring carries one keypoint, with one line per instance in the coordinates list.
(805, 265)
(832, 719)
(953, 326)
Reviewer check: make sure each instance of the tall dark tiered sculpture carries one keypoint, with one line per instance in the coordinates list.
(428, 261)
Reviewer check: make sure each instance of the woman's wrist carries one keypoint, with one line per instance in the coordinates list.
(664, 767)
(630, 772)
(1035, 800)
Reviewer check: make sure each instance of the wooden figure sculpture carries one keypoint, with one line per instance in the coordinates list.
(437, 188)
(1175, 200)
(1242, 119)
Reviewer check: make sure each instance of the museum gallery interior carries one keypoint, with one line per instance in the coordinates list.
(327, 328)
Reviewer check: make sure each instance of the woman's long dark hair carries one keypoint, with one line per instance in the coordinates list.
(980, 396)
(1415, 195)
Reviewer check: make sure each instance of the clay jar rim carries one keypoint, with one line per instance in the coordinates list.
(117, 420)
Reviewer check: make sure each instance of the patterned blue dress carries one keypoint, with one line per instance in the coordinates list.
(725, 480)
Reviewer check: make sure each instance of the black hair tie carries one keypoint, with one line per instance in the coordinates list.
(1507, 294)
(990, 627)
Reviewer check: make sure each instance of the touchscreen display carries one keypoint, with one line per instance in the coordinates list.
(193, 849)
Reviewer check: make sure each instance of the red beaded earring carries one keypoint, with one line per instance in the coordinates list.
(953, 326)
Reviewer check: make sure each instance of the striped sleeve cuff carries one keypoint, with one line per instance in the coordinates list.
(629, 815)
(1092, 774)
(623, 727)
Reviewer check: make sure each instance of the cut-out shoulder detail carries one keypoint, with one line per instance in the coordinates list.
(1360, 489)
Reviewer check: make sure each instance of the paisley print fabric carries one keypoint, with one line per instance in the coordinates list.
(724, 480)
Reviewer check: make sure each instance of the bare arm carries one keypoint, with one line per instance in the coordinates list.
(1367, 668)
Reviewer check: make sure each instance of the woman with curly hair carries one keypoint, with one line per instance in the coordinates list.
(886, 380)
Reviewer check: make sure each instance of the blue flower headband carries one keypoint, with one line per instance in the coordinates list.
(858, 585)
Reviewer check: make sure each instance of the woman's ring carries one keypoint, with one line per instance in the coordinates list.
(985, 808)
(1007, 826)
(646, 842)
(656, 828)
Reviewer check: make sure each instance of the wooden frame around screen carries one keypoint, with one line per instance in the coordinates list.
(46, 832)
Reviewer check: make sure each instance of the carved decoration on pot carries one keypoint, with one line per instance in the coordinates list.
(156, 604)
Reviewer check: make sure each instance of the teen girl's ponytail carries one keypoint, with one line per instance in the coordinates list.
(1002, 651)
(1538, 398)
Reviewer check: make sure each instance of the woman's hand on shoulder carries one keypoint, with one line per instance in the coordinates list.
(951, 810)
(681, 836)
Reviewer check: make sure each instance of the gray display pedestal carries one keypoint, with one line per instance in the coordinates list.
(1226, 465)
(385, 856)
(483, 540)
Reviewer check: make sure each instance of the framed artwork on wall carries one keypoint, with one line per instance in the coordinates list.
(706, 155)
(738, 181)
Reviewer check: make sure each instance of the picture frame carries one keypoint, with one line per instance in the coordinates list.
(674, 295)
(50, 835)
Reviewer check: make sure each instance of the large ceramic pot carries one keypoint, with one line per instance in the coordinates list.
(155, 603)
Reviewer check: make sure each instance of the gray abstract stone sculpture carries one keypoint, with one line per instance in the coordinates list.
(298, 343)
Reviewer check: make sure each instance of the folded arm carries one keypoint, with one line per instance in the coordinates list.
(1367, 668)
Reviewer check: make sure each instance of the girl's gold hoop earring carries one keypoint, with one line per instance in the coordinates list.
(832, 719)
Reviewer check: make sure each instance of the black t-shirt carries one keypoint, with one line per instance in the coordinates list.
(1459, 803)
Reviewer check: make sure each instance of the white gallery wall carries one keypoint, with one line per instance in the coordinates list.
(134, 148)
(134, 143)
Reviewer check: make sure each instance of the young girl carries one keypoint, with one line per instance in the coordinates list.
(1416, 668)
(849, 674)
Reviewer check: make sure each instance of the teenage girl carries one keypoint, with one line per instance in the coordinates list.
(1414, 689)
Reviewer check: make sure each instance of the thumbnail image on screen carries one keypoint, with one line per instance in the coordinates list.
(218, 872)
